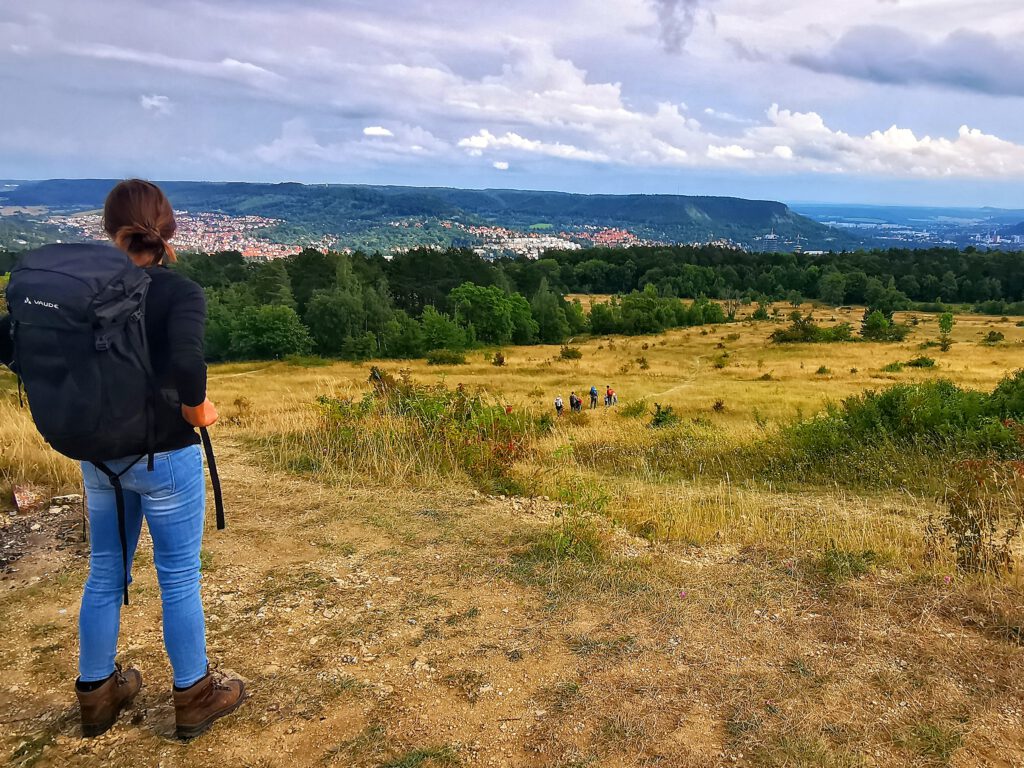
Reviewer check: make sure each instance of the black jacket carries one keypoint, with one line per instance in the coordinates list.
(175, 329)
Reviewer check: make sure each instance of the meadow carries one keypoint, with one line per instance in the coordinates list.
(425, 566)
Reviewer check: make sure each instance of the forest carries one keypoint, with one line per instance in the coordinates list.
(360, 305)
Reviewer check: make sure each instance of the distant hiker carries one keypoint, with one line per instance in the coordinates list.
(593, 397)
(614, 397)
(109, 345)
(608, 395)
(559, 405)
(575, 404)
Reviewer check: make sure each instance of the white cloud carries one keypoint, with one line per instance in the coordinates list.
(159, 105)
(485, 140)
(731, 152)
(376, 130)
(501, 165)
(225, 69)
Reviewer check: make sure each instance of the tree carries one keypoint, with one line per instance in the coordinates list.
(311, 271)
(441, 332)
(402, 337)
(946, 323)
(271, 284)
(604, 318)
(877, 325)
(576, 317)
(332, 317)
(524, 327)
(223, 308)
(949, 287)
(547, 311)
(487, 309)
(269, 332)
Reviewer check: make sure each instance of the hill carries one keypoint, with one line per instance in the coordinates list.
(728, 590)
(349, 209)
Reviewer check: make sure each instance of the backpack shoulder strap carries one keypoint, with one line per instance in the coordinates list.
(211, 463)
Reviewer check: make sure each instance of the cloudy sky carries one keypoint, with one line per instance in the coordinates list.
(878, 101)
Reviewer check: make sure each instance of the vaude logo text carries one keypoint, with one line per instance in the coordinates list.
(38, 303)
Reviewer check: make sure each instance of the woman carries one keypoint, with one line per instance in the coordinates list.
(170, 495)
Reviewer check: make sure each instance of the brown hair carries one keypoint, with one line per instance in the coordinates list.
(139, 219)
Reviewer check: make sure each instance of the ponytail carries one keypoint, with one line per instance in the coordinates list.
(139, 219)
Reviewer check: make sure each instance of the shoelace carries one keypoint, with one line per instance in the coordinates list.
(219, 679)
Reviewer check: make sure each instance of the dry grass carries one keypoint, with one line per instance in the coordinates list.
(661, 619)
(25, 457)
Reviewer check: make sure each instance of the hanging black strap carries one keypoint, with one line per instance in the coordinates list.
(115, 480)
(21, 389)
(211, 463)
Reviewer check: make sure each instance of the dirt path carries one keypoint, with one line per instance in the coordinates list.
(399, 628)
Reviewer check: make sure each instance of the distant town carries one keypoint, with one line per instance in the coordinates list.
(252, 236)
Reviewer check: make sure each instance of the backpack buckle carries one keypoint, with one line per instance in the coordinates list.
(102, 343)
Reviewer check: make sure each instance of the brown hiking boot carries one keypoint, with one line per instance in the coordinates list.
(101, 707)
(198, 706)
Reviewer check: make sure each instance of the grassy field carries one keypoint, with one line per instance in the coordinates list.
(596, 592)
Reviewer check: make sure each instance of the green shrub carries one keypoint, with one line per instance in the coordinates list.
(664, 417)
(445, 357)
(401, 431)
(894, 367)
(570, 353)
(823, 370)
(838, 565)
(498, 360)
(880, 326)
(921, 362)
(992, 338)
(946, 323)
(803, 330)
(936, 413)
(634, 409)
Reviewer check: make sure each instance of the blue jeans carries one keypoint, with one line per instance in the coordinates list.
(172, 499)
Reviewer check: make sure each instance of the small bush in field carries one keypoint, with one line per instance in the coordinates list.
(984, 516)
(400, 430)
(766, 377)
(498, 360)
(993, 338)
(854, 371)
(803, 330)
(570, 353)
(838, 565)
(445, 357)
(894, 367)
(643, 363)
(718, 406)
(664, 417)
(823, 370)
(921, 362)
(634, 409)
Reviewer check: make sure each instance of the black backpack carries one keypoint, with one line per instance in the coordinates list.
(80, 351)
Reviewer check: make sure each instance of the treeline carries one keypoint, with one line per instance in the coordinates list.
(365, 305)
(361, 306)
(990, 281)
